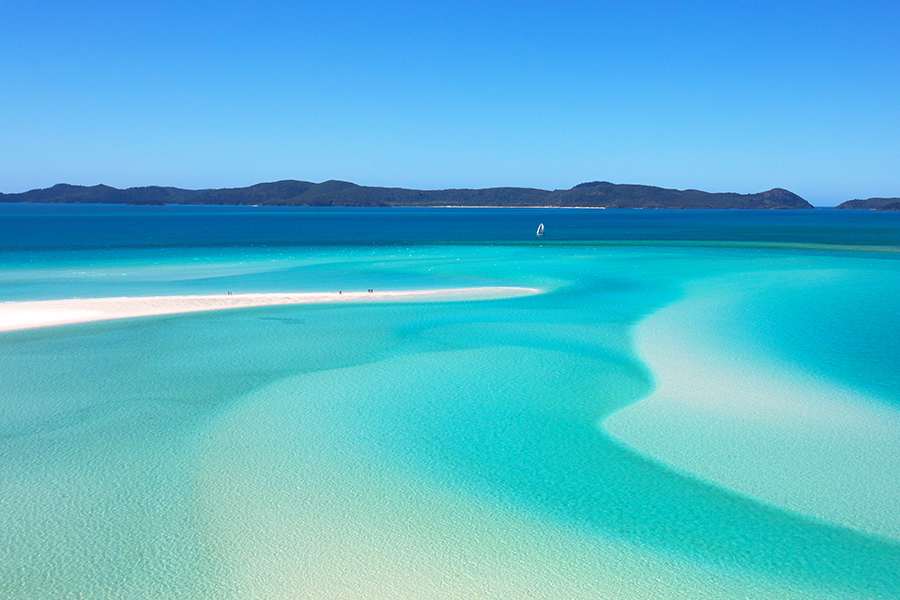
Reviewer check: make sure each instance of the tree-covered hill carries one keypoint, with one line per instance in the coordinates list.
(340, 193)
(871, 204)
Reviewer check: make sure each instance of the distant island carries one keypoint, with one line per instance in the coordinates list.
(598, 194)
(871, 204)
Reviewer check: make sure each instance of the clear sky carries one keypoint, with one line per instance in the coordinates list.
(740, 96)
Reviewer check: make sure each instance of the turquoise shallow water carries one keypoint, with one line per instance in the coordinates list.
(414, 450)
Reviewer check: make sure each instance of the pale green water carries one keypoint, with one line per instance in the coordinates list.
(432, 450)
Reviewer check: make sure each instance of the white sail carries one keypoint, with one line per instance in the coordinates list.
(540, 230)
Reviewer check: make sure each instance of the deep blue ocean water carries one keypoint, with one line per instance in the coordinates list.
(67, 226)
(414, 450)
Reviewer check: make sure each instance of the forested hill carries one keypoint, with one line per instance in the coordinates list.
(340, 193)
(871, 204)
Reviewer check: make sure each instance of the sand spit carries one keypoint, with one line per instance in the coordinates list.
(47, 313)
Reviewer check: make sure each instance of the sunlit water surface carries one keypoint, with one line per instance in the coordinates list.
(435, 450)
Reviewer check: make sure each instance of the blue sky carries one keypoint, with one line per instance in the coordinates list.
(710, 95)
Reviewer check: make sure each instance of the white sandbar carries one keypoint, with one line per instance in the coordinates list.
(47, 313)
(760, 428)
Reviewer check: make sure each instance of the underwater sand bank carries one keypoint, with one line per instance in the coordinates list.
(761, 428)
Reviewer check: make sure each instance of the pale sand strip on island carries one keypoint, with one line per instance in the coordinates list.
(760, 428)
(47, 313)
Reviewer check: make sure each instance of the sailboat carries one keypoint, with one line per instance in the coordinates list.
(540, 230)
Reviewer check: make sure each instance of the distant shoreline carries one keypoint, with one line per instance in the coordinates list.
(596, 194)
(535, 207)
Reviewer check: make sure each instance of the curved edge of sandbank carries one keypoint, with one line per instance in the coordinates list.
(758, 428)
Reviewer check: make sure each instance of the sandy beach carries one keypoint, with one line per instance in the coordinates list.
(48, 313)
